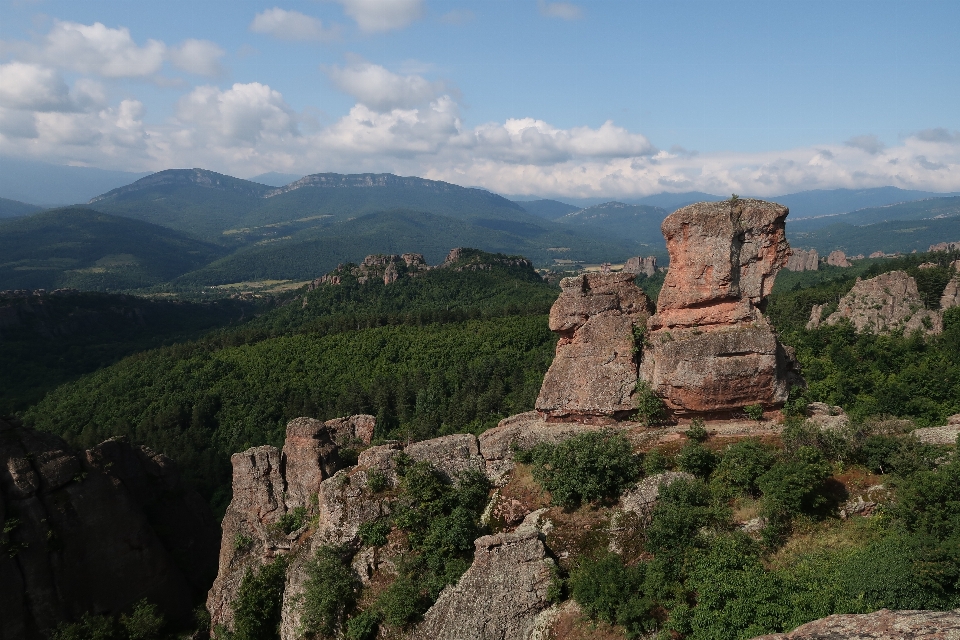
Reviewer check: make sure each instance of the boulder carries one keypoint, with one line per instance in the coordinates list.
(636, 507)
(708, 348)
(95, 531)
(594, 374)
(801, 260)
(879, 625)
(451, 455)
(838, 259)
(882, 304)
(500, 597)
(946, 434)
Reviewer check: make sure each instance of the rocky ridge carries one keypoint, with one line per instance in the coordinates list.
(801, 260)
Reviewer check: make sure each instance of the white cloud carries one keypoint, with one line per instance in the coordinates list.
(291, 25)
(33, 87)
(243, 114)
(100, 50)
(200, 57)
(382, 15)
(938, 134)
(562, 10)
(380, 89)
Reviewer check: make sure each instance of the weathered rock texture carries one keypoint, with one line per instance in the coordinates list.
(945, 246)
(882, 304)
(951, 293)
(801, 260)
(879, 625)
(638, 265)
(594, 373)
(499, 597)
(709, 348)
(95, 531)
(940, 435)
(838, 259)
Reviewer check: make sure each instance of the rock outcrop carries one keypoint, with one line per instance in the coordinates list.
(708, 348)
(801, 260)
(594, 374)
(838, 259)
(888, 302)
(499, 598)
(951, 293)
(946, 434)
(95, 531)
(945, 246)
(638, 265)
(879, 625)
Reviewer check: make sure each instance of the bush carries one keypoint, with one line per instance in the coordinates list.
(374, 533)
(330, 591)
(377, 481)
(929, 501)
(650, 408)
(696, 459)
(362, 626)
(655, 462)
(587, 468)
(742, 464)
(90, 627)
(609, 591)
(889, 454)
(697, 431)
(402, 602)
(683, 508)
(256, 608)
(754, 412)
(795, 485)
(143, 623)
(290, 522)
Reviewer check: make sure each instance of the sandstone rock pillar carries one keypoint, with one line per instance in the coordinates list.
(708, 348)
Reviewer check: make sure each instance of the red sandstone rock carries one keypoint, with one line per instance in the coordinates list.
(709, 349)
(594, 373)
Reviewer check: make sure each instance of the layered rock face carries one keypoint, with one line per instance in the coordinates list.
(879, 625)
(882, 304)
(594, 374)
(499, 597)
(801, 260)
(709, 349)
(95, 531)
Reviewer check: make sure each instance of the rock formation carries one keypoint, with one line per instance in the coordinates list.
(638, 265)
(879, 625)
(945, 246)
(709, 348)
(95, 531)
(801, 260)
(594, 373)
(882, 304)
(838, 259)
(499, 597)
(951, 293)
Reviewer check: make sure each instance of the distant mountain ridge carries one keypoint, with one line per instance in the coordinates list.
(13, 208)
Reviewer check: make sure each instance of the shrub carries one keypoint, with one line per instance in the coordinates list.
(290, 522)
(655, 462)
(374, 533)
(696, 459)
(754, 412)
(402, 602)
(143, 623)
(929, 501)
(377, 481)
(889, 454)
(362, 626)
(330, 591)
(683, 508)
(256, 608)
(608, 590)
(587, 468)
(742, 464)
(795, 485)
(697, 431)
(90, 627)
(650, 408)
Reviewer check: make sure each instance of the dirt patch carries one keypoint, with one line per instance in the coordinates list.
(571, 624)
(576, 534)
(520, 496)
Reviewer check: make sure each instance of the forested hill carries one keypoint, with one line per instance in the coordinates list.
(446, 351)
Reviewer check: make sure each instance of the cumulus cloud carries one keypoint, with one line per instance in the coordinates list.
(200, 57)
(382, 15)
(380, 89)
(100, 50)
(33, 87)
(938, 135)
(562, 10)
(243, 114)
(869, 143)
(291, 25)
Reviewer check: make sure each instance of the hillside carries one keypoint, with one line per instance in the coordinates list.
(916, 210)
(549, 209)
(637, 223)
(310, 252)
(829, 202)
(15, 209)
(84, 249)
(49, 185)
(889, 237)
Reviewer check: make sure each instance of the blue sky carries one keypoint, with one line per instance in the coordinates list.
(574, 99)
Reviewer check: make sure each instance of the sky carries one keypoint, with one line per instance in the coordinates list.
(523, 97)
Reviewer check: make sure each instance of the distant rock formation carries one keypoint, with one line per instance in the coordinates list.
(638, 265)
(882, 304)
(951, 293)
(96, 531)
(709, 348)
(879, 625)
(801, 260)
(838, 259)
(945, 246)
(594, 372)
